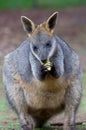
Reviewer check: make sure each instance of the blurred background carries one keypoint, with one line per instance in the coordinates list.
(71, 27)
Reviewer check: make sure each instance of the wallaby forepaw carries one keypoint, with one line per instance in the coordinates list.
(25, 127)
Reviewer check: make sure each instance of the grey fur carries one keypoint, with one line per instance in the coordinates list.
(38, 94)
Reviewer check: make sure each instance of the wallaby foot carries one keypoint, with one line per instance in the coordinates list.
(25, 121)
(25, 127)
(69, 127)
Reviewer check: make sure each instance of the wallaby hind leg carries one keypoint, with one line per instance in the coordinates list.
(72, 101)
(17, 101)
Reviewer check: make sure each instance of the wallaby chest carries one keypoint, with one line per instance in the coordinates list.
(45, 95)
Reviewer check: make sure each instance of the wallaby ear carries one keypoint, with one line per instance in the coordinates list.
(52, 20)
(28, 25)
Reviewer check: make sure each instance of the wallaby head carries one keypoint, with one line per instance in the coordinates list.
(42, 43)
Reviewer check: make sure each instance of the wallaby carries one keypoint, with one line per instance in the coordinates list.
(42, 77)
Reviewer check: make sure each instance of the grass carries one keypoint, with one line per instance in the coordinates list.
(83, 101)
(26, 4)
(61, 3)
(11, 126)
(16, 127)
(15, 4)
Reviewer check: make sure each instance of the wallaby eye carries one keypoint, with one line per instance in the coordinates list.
(48, 44)
(35, 48)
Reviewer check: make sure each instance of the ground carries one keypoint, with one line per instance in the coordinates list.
(71, 27)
